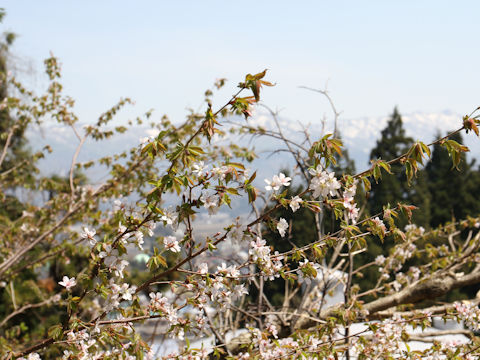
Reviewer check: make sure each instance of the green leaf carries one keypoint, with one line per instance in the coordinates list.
(55, 332)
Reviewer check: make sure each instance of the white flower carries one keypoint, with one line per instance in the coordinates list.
(240, 290)
(90, 235)
(169, 217)
(277, 181)
(352, 212)
(283, 180)
(139, 239)
(171, 244)
(379, 260)
(282, 226)
(324, 183)
(230, 271)
(259, 250)
(68, 283)
(34, 356)
(295, 203)
(211, 203)
(272, 329)
(118, 205)
(220, 172)
(158, 302)
(349, 193)
(199, 168)
(203, 268)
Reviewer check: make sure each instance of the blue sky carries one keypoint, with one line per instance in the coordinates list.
(419, 55)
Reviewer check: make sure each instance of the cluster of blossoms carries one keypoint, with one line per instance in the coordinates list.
(323, 183)
(269, 264)
(378, 227)
(216, 173)
(298, 347)
(351, 209)
(386, 339)
(412, 229)
(469, 313)
(161, 304)
(84, 345)
(402, 279)
(306, 270)
(113, 261)
(118, 293)
(400, 254)
(109, 253)
(222, 287)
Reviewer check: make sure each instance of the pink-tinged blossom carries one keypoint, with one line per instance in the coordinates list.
(158, 302)
(123, 291)
(89, 235)
(272, 329)
(379, 223)
(171, 244)
(239, 291)
(68, 283)
(295, 203)
(282, 226)
(352, 212)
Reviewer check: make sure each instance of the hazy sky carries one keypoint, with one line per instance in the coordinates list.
(419, 55)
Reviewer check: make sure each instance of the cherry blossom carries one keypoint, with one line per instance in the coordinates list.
(323, 184)
(282, 226)
(90, 235)
(295, 203)
(68, 283)
(277, 182)
(171, 244)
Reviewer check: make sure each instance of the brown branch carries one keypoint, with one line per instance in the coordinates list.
(7, 144)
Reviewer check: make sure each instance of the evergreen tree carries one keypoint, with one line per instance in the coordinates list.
(454, 196)
(11, 206)
(393, 143)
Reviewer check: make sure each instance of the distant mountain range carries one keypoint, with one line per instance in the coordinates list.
(359, 136)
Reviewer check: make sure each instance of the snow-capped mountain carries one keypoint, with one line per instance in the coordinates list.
(359, 136)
